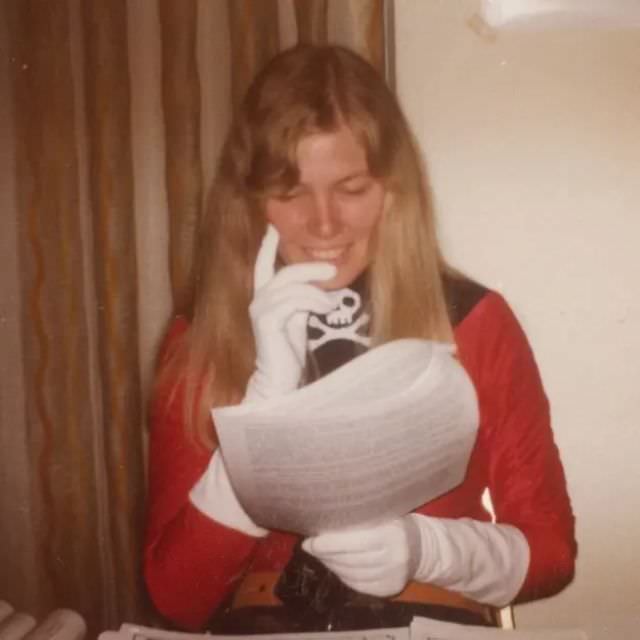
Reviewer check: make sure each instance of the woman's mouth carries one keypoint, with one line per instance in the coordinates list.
(327, 255)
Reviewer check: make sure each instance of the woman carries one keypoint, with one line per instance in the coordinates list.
(320, 188)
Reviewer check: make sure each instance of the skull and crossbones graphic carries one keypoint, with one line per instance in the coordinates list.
(343, 322)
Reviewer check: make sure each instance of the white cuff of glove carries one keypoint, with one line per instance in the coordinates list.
(213, 495)
(484, 561)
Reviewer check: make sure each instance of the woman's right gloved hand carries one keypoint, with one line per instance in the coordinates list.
(279, 311)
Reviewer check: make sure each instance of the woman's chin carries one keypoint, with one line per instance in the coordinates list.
(342, 279)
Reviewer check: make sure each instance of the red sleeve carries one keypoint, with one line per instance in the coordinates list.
(525, 474)
(190, 561)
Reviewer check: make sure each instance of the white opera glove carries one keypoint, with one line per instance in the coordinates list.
(484, 561)
(279, 311)
(214, 496)
(377, 560)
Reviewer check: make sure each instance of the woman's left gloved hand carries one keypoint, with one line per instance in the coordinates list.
(484, 561)
(378, 560)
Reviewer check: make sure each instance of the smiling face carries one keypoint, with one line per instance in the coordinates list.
(331, 214)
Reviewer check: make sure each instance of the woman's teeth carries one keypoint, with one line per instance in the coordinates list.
(326, 254)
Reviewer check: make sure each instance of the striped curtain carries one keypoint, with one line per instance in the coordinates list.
(111, 118)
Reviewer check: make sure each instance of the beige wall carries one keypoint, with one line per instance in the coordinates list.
(533, 144)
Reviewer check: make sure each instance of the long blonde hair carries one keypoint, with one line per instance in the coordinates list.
(304, 90)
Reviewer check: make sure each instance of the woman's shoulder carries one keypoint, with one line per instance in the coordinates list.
(490, 338)
(461, 294)
(471, 303)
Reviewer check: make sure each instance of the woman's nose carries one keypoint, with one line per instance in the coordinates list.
(324, 216)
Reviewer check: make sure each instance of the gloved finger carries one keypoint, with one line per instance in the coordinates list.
(271, 298)
(370, 563)
(343, 542)
(265, 266)
(381, 580)
(304, 272)
(275, 307)
(362, 567)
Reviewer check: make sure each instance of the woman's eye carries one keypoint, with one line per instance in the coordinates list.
(355, 188)
(287, 196)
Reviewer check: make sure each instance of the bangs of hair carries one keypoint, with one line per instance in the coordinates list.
(314, 90)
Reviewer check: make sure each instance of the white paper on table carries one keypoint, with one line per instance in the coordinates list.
(137, 632)
(374, 439)
(419, 629)
(427, 629)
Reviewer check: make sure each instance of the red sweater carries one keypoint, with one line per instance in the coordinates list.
(192, 562)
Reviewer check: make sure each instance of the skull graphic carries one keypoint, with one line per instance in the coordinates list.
(341, 323)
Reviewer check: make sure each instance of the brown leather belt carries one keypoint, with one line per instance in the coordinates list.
(258, 590)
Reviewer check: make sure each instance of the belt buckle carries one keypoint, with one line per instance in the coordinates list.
(307, 585)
